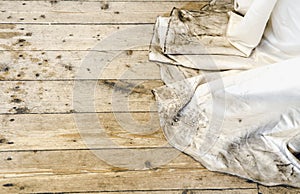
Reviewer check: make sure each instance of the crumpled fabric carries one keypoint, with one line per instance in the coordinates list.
(235, 112)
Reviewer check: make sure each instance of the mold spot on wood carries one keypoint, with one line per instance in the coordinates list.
(71, 111)
(104, 5)
(148, 164)
(42, 16)
(9, 17)
(4, 68)
(129, 52)
(21, 110)
(53, 2)
(8, 185)
(116, 12)
(21, 40)
(68, 67)
(9, 158)
(16, 100)
(28, 34)
(3, 140)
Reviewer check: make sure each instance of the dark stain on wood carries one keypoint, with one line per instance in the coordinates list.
(104, 5)
(8, 185)
(129, 52)
(53, 2)
(21, 110)
(28, 34)
(16, 100)
(69, 67)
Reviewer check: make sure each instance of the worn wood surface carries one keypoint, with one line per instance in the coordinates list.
(44, 12)
(57, 76)
(278, 189)
(59, 131)
(69, 65)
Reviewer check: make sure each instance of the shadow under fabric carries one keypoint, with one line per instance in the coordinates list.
(245, 121)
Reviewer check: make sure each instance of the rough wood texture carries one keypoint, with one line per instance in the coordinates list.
(159, 179)
(59, 131)
(62, 37)
(80, 96)
(45, 121)
(65, 65)
(275, 190)
(77, 12)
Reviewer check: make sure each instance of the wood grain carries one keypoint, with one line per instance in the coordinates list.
(93, 12)
(77, 96)
(63, 131)
(67, 65)
(159, 179)
(278, 189)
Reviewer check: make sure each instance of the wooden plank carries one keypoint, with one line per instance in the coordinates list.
(63, 131)
(113, 0)
(17, 164)
(75, 37)
(278, 189)
(65, 65)
(191, 191)
(77, 96)
(159, 179)
(78, 12)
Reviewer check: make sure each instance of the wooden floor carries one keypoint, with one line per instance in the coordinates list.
(46, 110)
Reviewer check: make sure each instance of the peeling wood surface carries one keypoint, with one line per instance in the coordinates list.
(48, 90)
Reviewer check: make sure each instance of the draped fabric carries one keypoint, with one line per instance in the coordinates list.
(231, 98)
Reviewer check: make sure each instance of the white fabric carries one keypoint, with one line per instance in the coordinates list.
(191, 47)
(247, 123)
(245, 33)
(244, 125)
(282, 37)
